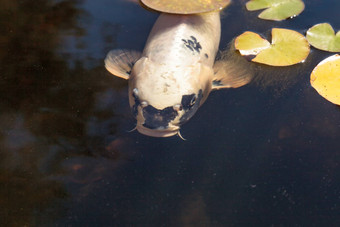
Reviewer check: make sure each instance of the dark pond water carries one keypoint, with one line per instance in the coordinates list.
(266, 154)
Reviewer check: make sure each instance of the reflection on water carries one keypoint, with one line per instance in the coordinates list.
(49, 112)
(30, 69)
(267, 153)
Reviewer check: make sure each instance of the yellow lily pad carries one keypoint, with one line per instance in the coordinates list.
(276, 9)
(288, 47)
(250, 43)
(325, 79)
(323, 37)
(186, 6)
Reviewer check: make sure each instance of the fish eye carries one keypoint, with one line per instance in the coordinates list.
(135, 92)
(144, 104)
(178, 107)
(193, 101)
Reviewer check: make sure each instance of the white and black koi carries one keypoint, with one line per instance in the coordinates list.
(175, 73)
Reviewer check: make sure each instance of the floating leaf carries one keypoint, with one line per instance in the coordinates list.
(276, 9)
(323, 37)
(325, 79)
(288, 47)
(250, 43)
(186, 6)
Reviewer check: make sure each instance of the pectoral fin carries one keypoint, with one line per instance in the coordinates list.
(120, 62)
(229, 75)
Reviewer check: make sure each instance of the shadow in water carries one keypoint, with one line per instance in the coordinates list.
(50, 112)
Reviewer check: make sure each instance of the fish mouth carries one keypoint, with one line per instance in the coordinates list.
(158, 132)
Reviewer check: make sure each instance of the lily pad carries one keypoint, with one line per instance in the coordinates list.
(325, 79)
(250, 43)
(288, 47)
(276, 9)
(323, 37)
(186, 6)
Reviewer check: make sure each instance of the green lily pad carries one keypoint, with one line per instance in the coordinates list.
(288, 47)
(323, 37)
(186, 6)
(276, 9)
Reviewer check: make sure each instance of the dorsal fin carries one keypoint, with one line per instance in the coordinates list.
(120, 62)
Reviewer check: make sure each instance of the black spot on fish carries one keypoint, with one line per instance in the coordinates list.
(190, 104)
(206, 55)
(193, 38)
(198, 47)
(155, 118)
(190, 48)
(192, 44)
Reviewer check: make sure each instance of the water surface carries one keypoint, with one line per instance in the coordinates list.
(266, 154)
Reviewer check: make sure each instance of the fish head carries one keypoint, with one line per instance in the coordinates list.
(162, 98)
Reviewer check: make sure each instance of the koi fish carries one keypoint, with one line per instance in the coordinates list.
(174, 75)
